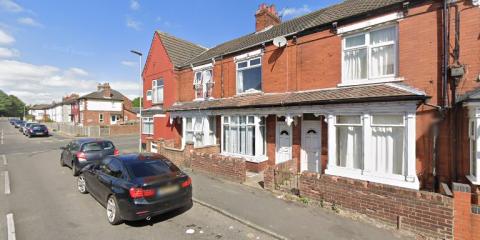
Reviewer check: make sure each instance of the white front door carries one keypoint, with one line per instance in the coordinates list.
(311, 146)
(284, 142)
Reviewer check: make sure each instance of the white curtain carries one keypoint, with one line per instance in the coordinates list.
(249, 150)
(382, 57)
(349, 146)
(388, 149)
(239, 81)
(355, 64)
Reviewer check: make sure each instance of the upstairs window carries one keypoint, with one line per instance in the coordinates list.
(203, 83)
(370, 56)
(249, 75)
(157, 91)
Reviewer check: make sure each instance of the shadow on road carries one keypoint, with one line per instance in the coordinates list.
(160, 218)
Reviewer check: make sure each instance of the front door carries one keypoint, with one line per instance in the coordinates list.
(284, 142)
(311, 146)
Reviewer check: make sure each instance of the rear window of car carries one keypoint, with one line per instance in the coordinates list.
(38, 127)
(149, 168)
(97, 146)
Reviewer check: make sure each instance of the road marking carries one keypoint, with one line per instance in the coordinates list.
(10, 227)
(4, 159)
(1, 141)
(7, 182)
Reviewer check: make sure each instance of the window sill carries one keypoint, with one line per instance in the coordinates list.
(249, 92)
(372, 81)
(388, 179)
(254, 159)
(473, 180)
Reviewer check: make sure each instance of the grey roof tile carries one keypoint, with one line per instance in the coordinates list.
(179, 50)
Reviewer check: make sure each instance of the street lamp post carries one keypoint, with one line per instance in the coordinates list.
(141, 97)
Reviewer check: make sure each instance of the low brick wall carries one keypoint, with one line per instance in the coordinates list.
(467, 215)
(269, 173)
(229, 168)
(427, 214)
(117, 130)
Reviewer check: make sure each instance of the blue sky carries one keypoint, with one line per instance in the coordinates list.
(52, 48)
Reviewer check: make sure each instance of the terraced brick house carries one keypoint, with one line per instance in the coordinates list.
(379, 94)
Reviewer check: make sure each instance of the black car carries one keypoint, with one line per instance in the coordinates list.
(12, 121)
(37, 130)
(136, 186)
(78, 153)
(18, 123)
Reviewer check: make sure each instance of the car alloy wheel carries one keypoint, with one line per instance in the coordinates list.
(113, 211)
(81, 184)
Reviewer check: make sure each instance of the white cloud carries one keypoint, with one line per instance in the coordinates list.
(5, 38)
(10, 5)
(129, 63)
(134, 4)
(133, 24)
(8, 52)
(294, 12)
(44, 83)
(29, 22)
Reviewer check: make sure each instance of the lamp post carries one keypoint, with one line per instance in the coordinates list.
(139, 54)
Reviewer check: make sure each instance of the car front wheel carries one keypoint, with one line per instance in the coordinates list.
(113, 212)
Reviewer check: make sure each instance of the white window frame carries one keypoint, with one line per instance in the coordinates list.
(206, 122)
(156, 87)
(370, 79)
(474, 141)
(203, 90)
(248, 60)
(260, 154)
(149, 95)
(409, 177)
(149, 121)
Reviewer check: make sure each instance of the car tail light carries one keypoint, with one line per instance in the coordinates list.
(187, 183)
(141, 193)
(116, 152)
(81, 157)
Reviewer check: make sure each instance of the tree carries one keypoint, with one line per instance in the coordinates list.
(10, 106)
(136, 102)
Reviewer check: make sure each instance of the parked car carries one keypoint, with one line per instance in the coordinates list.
(12, 121)
(18, 123)
(80, 152)
(37, 130)
(26, 127)
(21, 125)
(136, 186)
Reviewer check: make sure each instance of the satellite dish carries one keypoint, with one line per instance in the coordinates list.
(280, 41)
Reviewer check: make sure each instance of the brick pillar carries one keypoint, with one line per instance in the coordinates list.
(462, 197)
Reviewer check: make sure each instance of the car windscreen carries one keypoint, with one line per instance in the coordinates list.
(149, 168)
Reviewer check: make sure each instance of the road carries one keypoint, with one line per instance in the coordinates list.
(46, 205)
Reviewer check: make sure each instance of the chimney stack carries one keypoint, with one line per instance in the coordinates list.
(266, 16)
(105, 88)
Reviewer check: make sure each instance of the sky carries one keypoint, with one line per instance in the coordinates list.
(52, 48)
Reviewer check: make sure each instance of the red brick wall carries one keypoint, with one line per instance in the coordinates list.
(230, 168)
(467, 216)
(92, 118)
(427, 214)
(116, 130)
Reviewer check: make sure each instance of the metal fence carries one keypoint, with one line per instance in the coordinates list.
(76, 131)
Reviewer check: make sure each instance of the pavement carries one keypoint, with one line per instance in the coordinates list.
(44, 203)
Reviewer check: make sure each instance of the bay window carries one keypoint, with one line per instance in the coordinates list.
(370, 55)
(157, 91)
(377, 147)
(249, 75)
(203, 83)
(147, 125)
(200, 131)
(473, 137)
(244, 135)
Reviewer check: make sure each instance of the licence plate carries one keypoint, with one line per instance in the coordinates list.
(168, 190)
(39, 133)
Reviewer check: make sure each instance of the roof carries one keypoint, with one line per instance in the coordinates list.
(470, 96)
(99, 95)
(39, 107)
(334, 13)
(354, 94)
(179, 50)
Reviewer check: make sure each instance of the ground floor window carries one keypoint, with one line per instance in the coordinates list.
(147, 125)
(200, 130)
(473, 137)
(243, 135)
(378, 147)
